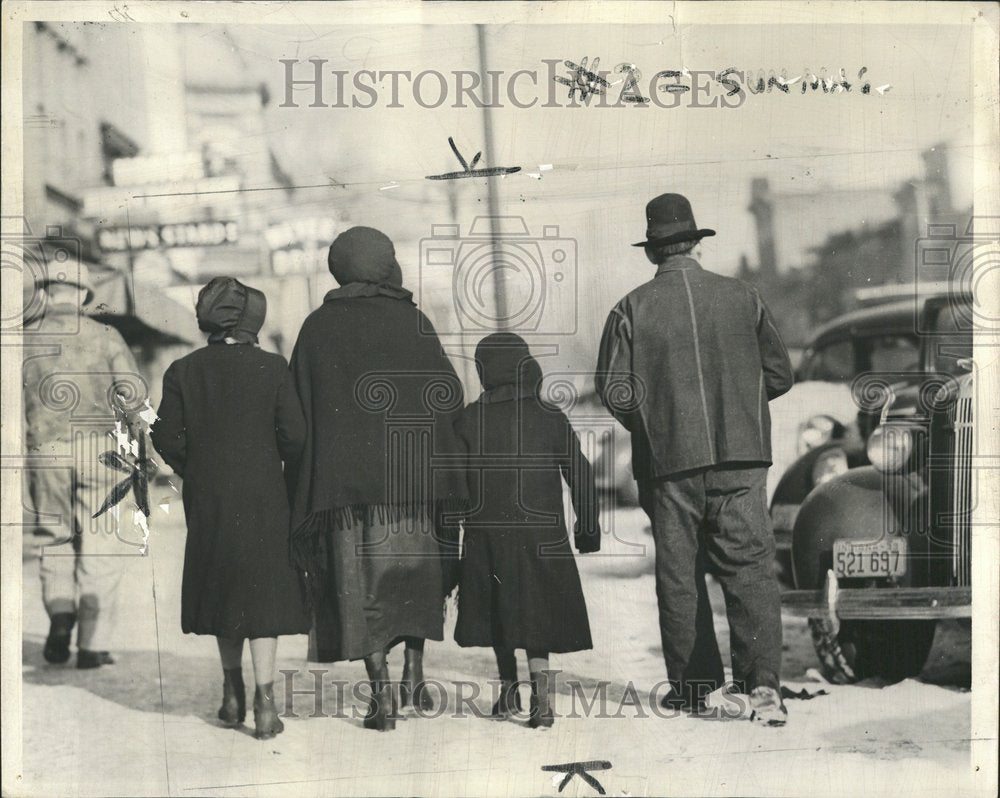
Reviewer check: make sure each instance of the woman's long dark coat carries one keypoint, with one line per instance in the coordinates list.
(381, 460)
(519, 586)
(228, 419)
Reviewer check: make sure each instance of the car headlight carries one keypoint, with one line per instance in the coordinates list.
(815, 432)
(828, 465)
(890, 447)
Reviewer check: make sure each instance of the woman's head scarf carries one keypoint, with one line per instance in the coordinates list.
(364, 255)
(504, 359)
(228, 309)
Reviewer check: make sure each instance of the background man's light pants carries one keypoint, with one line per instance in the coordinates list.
(715, 519)
(82, 558)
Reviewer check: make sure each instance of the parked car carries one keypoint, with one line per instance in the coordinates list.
(608, 446)
(819, 407)
(877, 340)
(882, 550)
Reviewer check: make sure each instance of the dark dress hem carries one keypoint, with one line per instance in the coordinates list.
(547, 647)
(306, 538)
(391, 642)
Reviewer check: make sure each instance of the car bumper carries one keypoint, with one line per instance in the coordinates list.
(896, 603)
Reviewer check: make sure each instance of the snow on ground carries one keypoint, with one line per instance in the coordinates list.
(145, 726)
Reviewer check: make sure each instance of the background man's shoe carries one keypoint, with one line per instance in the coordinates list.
(766, 707)
(56, 648)
(93, 659)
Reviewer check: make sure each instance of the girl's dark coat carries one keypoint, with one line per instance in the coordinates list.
(519, 586)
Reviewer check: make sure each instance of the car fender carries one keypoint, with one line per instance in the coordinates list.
(797, 483)
(862, 504)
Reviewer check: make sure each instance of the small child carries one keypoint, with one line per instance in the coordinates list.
(518, 585)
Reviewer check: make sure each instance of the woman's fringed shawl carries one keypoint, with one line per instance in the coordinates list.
(381, 399)
(309, 538)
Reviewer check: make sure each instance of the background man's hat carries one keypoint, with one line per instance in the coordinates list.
(72, 272)
(670, 220)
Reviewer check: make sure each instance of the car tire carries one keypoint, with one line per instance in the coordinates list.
(890, 650)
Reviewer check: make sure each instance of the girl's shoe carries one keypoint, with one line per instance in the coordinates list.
(541, 715)
(266, 722)
(540, 718)
(233, 711)
(508, 703)
(416, 696)
(382, 710)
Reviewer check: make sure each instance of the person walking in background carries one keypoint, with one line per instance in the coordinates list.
(688, 363)
(228, 418)
(379, 396)
(82, 557)
(519, 587)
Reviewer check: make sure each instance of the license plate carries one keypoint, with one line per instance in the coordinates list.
(882, 558)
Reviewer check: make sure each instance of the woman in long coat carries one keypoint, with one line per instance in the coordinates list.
(228, 418)
(380, 399)
(519, 587)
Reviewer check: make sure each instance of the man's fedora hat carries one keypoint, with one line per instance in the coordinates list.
(670, 220)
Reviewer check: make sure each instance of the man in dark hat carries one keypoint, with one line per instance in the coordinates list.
(688, 364)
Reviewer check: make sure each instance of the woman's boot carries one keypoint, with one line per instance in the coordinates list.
(412, 689)
(265, 715)
(543, 684)
(233, 711)
(382, 710)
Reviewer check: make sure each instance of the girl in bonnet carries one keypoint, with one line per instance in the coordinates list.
(228, 420)
(519, 586)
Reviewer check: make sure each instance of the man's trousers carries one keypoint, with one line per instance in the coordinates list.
(715, 520)
(82, 559)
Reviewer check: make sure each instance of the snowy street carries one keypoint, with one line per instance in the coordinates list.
(146, 725)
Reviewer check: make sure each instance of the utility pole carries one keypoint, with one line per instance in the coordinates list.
(492, 203)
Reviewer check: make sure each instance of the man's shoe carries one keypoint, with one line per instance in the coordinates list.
(766, 707)
(678, 703)
(57, 643)
(86, 660)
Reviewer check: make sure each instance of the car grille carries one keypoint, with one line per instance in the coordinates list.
(959, 516)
